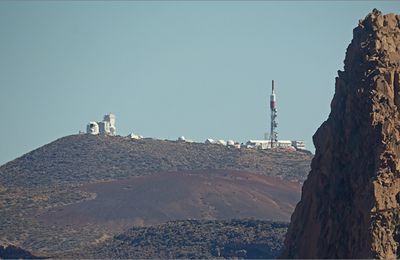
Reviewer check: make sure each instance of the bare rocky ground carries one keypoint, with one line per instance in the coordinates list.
(54, 176)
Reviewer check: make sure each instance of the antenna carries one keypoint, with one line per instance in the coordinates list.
(274, 124)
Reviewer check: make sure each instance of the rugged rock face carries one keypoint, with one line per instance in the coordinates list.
(350, 205)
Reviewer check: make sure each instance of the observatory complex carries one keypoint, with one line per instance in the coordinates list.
(105, 127)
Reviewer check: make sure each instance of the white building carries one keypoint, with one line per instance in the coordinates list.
(266, 144)
(110, 119)
(232, 143)
(212, 141)
(135, 137)
(183, 139)
(92, 128)
(105, 127)
(284, 144)
(220, 142)
(260, 144)
(299, 145)
(209, 141)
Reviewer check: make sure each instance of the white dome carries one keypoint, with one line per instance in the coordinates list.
(92, 128)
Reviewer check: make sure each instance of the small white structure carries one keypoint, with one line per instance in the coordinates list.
(284, 144)
(135, 137)
(212, 141)
(230, 143)
(105, 127)
(109, 128)
(92, 128)
(221, 142)
(260, 144)
(266, 144)
(110, 118)
(209, 141)
(299, 145)
(183, 139)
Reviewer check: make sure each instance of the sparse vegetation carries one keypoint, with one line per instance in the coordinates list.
(198, 239)
(51, 175)
(13, 252)
(80, 159)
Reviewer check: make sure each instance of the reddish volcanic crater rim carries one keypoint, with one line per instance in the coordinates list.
(165, 196)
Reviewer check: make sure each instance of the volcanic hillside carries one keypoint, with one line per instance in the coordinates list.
(83, 189)
(196, 239)
(80, 159)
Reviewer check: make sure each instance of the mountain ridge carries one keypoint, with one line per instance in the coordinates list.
(76, 154)
(52, 179)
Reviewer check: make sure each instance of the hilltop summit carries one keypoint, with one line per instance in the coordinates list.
(86, 158)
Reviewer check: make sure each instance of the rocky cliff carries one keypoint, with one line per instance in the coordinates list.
(350, 205)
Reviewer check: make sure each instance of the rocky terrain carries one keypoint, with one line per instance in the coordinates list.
(48, 197)
(193, 239)
(350, 205)
(13, 252)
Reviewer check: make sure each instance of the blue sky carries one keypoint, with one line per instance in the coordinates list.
(199, 69)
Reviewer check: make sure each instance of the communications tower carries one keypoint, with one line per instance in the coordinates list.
(273, 134)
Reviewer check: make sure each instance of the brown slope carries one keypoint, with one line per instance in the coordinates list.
(350, 201)
(154, 199)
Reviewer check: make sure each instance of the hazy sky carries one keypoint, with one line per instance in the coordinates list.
(199, 69)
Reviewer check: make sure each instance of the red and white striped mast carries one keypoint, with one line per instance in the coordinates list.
(274, 124)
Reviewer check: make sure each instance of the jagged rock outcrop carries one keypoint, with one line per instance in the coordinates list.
(350, 205)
